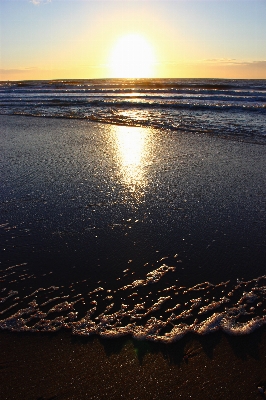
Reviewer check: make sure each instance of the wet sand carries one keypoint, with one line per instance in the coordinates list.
(73, 201)
(63, 367)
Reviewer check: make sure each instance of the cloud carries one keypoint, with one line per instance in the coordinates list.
(11, 71)
(17, 70)
(37, 2)
(257, 63)
(222, 60)
(234, 61)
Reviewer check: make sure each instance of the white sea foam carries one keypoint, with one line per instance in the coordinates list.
(242, 309)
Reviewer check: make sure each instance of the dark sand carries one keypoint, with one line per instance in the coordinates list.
(61, 367)
(217, 188)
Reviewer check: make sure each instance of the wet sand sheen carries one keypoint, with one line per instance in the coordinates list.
(85, 207)
(60, 367)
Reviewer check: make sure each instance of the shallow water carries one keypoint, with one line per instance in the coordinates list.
(116, 230)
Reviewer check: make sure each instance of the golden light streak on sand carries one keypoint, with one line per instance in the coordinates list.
(133, 150)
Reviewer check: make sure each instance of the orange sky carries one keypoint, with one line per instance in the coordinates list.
(57, 39)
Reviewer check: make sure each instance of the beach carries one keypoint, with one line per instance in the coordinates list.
(111, 236)
(61, 367)
(132, 200)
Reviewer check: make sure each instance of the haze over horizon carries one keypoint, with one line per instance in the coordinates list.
(83, 39)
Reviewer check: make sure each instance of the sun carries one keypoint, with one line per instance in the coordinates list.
(132, 57)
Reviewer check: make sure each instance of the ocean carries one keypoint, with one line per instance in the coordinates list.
(133, 207)
(231, 108)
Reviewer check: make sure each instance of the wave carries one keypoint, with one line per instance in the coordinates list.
(234, 108)
(146, 308)
(212, 84)
(165, 93)
(128, 103)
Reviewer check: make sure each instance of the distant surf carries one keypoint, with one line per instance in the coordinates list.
(229, 108)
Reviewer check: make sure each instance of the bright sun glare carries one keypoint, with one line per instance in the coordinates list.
(132, 57)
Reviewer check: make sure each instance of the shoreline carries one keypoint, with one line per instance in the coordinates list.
(177, 131)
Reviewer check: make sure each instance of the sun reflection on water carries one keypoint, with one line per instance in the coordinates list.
(132, 152)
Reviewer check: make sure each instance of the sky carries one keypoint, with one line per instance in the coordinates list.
(83, 39)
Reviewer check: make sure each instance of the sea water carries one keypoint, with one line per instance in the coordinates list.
(221, 107)
(120, 228)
